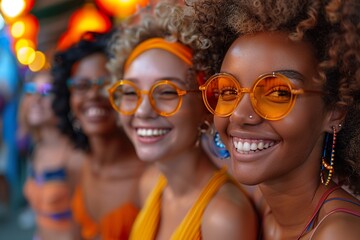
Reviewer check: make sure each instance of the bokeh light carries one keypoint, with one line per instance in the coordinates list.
(12, 8)
(17, 29)
(39, 61)
(25, 55)
(23, 43)
(2, 22)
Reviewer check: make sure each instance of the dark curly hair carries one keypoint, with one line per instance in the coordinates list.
(61, 70)
(331, 26)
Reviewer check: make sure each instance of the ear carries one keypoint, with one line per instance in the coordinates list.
(335, 118)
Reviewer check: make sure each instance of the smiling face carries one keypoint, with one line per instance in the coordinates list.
(90, 106)
(156, 137)
(263, 150)
(36, 107)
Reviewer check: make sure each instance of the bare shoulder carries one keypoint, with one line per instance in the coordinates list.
(230, 215)
(148, 181)
(339, 225)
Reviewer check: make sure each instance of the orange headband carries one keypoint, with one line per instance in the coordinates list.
(176, 48)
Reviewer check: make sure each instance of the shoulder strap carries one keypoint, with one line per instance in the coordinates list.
(317, 209)
(146, 223)
(336, 210)
(190, 226)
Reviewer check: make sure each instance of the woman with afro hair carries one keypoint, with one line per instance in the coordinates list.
(105, 202)
(285, 95)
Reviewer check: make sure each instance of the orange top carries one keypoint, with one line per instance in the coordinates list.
(115, 225)
(148, 221)
(50, 199)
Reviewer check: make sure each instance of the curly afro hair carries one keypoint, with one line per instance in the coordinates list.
(331, 26)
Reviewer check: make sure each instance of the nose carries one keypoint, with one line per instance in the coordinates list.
(145, 109)
(244, 113)
(96, 90)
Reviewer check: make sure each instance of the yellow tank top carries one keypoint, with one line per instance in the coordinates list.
(146, 224)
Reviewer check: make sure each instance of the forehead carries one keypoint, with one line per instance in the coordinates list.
(90, 64)
(156, 64)
(254, 55)
(42, 77)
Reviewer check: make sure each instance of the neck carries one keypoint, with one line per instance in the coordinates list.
(109, 149)
(186, 172)
(291, 205)
(48, 135)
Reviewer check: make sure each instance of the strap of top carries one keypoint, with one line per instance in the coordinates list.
(317, 209)
(146, 225)
(49, 175)
(337, 210)
(190, 226)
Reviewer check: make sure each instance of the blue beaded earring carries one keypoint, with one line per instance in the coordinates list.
(219, 147)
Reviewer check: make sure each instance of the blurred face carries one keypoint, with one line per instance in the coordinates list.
(87, 100)
(36, 105)
(266, 150)
(154, 136)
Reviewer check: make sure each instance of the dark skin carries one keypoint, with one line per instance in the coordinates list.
(287, 173)
(112, 163)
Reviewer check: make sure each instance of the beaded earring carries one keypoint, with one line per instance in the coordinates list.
(328, 167)
(219, 147)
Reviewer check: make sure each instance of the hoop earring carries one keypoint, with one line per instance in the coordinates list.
(324, 165)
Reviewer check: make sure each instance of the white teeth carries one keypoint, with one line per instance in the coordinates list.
(95, 112)
(253, 146)
(143, 132)
(246, 146)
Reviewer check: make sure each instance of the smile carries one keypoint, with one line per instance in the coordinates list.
(95, 112)
(247, 146)
(152, 132)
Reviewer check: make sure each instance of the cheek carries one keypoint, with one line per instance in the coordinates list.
(75, 102)
(125, 122)
(221, 126)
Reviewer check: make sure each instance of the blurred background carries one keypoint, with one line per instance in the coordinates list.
(31, 31)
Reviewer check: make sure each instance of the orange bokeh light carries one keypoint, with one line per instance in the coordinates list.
(87, 18)
(26, 26)
(120, 8)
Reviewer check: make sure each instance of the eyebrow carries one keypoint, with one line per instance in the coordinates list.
(172, 79)
(291, 74)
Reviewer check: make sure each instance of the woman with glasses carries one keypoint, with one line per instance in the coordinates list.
(184, 195)
(54, 162)
(105, 202)
(285, 99)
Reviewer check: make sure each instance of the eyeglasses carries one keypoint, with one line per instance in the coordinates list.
(82, 85)
(165, 97)
(272, 96)
(43, 89)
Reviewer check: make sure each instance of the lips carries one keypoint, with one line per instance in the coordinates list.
(250, 146)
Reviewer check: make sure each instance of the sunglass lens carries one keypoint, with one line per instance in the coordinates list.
(221, 95)
(272, 97)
